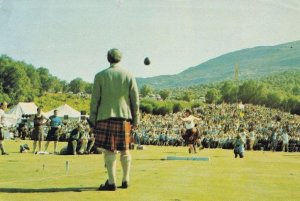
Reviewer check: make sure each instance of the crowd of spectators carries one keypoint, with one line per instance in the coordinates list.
(264, 128)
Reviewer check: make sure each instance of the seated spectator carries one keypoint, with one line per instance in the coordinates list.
(75, 135)
(24, 148)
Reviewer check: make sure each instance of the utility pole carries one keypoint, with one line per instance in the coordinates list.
(236, 78)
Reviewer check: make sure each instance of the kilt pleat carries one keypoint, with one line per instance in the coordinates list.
(112, 135)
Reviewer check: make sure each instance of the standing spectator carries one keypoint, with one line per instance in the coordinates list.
(285, 140)
(243, 135)
(274, 139)
(238, 146)
(252, 137)
(3, 107)
(114, 105)
(55, 125)
(38, 130)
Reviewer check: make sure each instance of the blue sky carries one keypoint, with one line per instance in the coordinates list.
(71, 37)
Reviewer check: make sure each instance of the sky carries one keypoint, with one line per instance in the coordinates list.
(71, 37)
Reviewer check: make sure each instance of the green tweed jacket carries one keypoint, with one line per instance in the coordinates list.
(115, 95)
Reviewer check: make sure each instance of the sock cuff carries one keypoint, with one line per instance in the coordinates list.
(109, 157)
(126, 157)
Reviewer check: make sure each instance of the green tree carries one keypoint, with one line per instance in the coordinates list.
(187, 96)
(164, 94)
(178, 107)
(88, 88)
(77, 85)
(64, 85)
(212, 95)
(296, 90)
(252, 92)
(274, 99)
(15, 83)
(35, 80)
(146, 90)
(147, 108)
(229, 92)
(46, 79)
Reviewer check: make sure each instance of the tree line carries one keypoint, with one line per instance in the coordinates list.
(22, 82)
(279, 90)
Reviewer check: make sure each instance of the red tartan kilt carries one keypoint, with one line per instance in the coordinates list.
(191, 136)
(112, 134)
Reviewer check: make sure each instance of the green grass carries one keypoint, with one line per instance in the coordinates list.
(259, 176)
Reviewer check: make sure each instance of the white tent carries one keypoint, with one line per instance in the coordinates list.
(23, 108)
(11, 119)
(14, 115)
(65, 110)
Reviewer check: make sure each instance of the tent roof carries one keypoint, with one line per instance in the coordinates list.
(23, 108)
(64, 110)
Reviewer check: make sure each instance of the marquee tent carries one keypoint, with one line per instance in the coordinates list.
(23, 108)
(65, 110)
(14, 115)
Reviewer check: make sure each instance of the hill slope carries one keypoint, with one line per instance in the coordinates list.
(253, 63)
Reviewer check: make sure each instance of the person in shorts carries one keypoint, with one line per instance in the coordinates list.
(53, 134)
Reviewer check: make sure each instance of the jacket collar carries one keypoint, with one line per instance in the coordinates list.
(116, 65)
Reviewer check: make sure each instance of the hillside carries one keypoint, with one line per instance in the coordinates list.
(254, 62)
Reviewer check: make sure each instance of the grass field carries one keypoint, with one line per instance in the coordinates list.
(259, 176)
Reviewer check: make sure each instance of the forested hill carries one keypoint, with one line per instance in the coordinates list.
(252, 63)
(22, 82)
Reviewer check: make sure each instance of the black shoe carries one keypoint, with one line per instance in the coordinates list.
(107, 187)
(124, 184)
(4, 153)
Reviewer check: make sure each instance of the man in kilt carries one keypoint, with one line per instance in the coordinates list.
(114, 109)
(191, 134)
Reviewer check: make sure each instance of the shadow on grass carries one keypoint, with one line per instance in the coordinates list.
(46, 190)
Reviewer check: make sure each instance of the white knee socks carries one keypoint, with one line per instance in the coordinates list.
(110, 163)
(126, 163)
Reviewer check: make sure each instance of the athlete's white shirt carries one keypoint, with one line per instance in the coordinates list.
(189, 121)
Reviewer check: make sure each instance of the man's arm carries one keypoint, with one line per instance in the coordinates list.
(134, 102)
(2, 120)
(95, 101)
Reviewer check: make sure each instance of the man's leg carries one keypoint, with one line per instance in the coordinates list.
(83, 146)
(90, 145)
(74, 146)
(2, 148)
(125, 159)
(191, 148)
(241, 155)
(55, 146)
(110, 163)
(46, 145)
(34, 146)
(40, 145)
